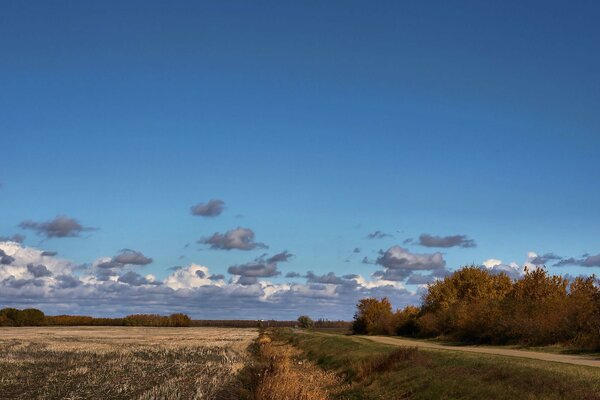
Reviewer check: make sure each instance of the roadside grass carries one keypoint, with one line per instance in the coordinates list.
(378, 371)
(553, 349)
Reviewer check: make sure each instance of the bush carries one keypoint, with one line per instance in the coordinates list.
(27, 317)
(305, 322)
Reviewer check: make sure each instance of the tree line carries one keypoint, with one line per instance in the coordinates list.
(35, 317)
(475, 305)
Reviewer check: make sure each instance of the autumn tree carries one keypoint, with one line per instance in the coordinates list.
(373, 317)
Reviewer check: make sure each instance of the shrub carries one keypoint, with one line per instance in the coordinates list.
(305, 322)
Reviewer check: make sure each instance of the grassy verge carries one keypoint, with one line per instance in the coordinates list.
(553, 349)
(377, 371)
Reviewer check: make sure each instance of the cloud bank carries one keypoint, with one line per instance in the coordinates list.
(112, 286)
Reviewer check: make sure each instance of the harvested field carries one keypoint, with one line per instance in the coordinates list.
(122, 362)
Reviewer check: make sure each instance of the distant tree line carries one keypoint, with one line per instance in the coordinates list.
(34, 317)
(475, 305)
(271, 323)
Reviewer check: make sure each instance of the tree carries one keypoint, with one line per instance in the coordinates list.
(373, 317)
(304, 321)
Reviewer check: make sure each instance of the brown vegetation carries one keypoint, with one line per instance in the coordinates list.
(474, 305)
(283, 374)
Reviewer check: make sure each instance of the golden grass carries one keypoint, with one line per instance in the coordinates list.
(289, 376)
(122, 362)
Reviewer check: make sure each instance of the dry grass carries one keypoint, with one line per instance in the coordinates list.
(289, 376)
(122, 362)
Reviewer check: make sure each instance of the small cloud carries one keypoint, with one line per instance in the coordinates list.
(280, 257)
(585, 261)
(134, 279)
(60, 227)
(48, 253)
(216, 277)
(543, 259)
(211, 209)
(292, 275)
(254, 269)
(261, 267)
(329, 278)
(420, 279)
(378, 235)
(238, 238)
(356, 250)
(132, 257)
(427, 240)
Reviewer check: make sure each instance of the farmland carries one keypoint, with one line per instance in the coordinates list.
(122, 362)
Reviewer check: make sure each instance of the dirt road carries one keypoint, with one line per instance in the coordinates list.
(562, 358)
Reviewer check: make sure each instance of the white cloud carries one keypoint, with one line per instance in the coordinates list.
(61, 286)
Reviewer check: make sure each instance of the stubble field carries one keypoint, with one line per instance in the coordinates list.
(122, 362)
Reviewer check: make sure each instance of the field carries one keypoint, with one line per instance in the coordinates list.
(122, 362)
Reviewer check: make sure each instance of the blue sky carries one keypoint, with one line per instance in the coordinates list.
(316, 123)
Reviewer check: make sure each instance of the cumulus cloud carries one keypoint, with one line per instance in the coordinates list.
(254, 269)
(60, 227)
(60, 286)
(108, 268)
(14, 238)
(194, 276)
(585, 261)
(5, 259)
(134, 279)
(428, 240)
(67, 281)
(125, 257)
(293, 275)
(238, 238)
(261, 267)
(512, 269)
(329, 278)
(211, 209)
(38, 271)
(399, 263)
(378, 235)
(132, 257)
